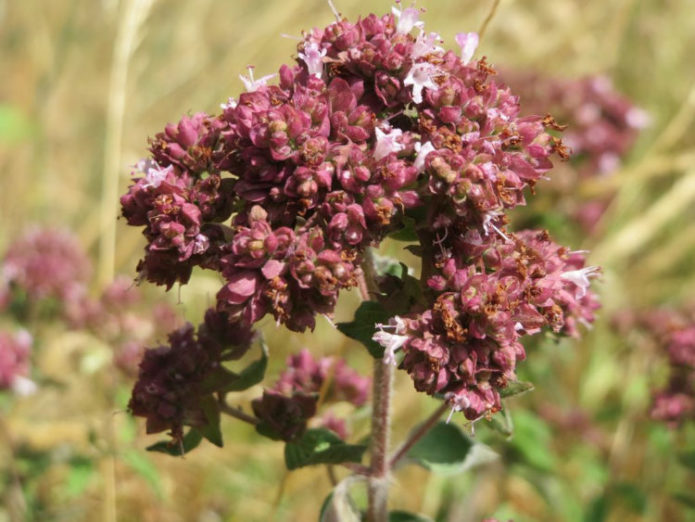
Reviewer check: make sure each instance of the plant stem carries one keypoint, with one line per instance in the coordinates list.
(420, 432)
(377, 484)
(377, 494)
(236, 412)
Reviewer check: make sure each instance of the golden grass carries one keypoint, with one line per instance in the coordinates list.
(91, 80)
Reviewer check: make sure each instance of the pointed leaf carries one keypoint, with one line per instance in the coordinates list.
(144, 467)
(686, 499)
(687, 459)
(189, 442)
(502, 423)
(362, 328)
(211, 431)
(446, 450)
(514, 388)
(407, 232)
(251, 375)
(320, 446)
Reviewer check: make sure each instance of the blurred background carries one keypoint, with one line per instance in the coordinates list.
(606, 434)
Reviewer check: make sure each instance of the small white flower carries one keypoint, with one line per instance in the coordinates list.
(426, 43)
(391, 341)
(468, 43)
(251, 83)
(231, 104)
(313, 58)
(637, 118)
(386, 142)
(422, 149)
(23, 386)
(407, 19)
(200, 244)
(488, 218)
(154, 174)
(421, 76)
(581, 278)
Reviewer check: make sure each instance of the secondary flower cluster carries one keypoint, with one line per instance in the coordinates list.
(44, 263)
(48, 265)
(122, 318)
(376, 127)
(673, 334)
(466, 345)
(602, 126)
(15, 350)
(177, 378)
(676, 402)
(292, 401)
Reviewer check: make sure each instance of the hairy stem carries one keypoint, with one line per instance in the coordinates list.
(377, 484)
(377, 507)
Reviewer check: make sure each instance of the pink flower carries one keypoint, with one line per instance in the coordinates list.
(407, 19)
(387, 141)
(313, 58)
(468, 43)
(421, 76)
(251, 83)
(15, 351)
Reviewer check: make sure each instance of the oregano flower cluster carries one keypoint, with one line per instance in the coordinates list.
(375, 130)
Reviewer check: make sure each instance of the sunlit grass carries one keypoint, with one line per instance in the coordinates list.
(86, 82)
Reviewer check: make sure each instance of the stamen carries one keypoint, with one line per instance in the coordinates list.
(335, 11)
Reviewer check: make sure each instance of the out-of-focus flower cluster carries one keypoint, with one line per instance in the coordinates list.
(15, 352)
(297, 392)
(602, 125)
(673, 334)
(122, 318)
(375, 126)
(44, 275)
(44, 263)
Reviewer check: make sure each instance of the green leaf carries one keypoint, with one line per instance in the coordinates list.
(597, 510)
(404, 516)
(223, 380)
(514, 388)
(447, 450)
(79, 477)
(687, 459)
(15, 126)
(252, 374)
(190, 441)
(144, 467)
(631, 495)
(502, 423)
(407, 232)
(686, 499)
(362, 328)
(211, 431)
(532, 438)
(320, 446)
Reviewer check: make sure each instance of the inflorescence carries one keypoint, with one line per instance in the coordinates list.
(375, 127)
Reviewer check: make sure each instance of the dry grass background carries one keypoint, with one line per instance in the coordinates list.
(85, 82)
